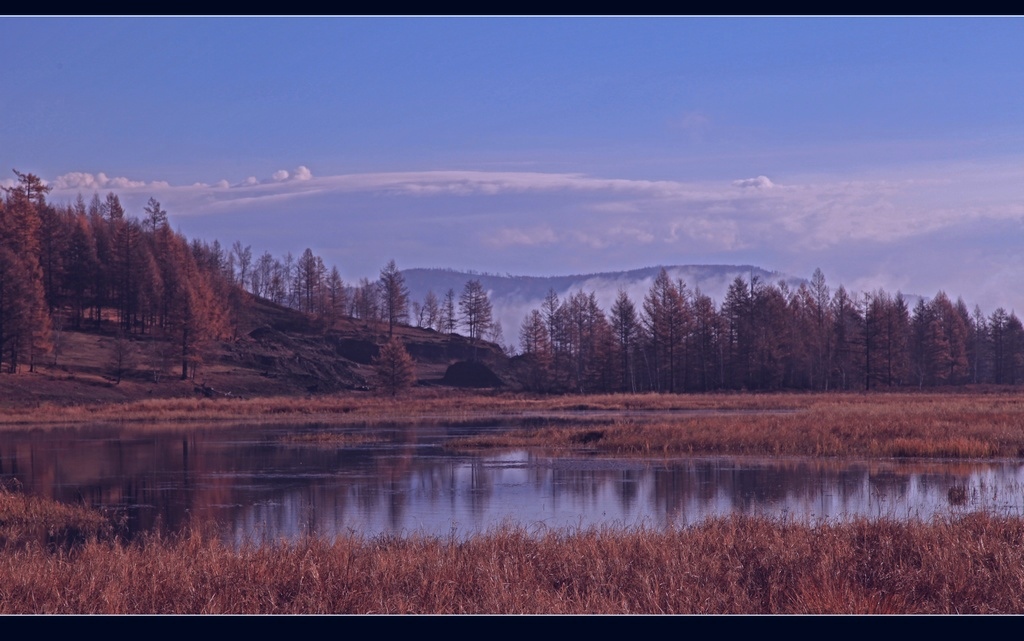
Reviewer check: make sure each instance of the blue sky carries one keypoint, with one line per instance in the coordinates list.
(888, 152)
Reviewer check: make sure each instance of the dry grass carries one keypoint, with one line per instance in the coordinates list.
(26, 520)
(973, 564)
(884, 425)
(947, 425)
(360, 408)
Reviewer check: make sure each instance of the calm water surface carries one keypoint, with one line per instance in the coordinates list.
(273, 482)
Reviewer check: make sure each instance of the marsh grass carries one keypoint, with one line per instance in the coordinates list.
(425, 406)
(968, 564)
(27, 520)
(934, 425)
(897, 425)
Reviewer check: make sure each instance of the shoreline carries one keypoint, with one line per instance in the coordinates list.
(965, 425)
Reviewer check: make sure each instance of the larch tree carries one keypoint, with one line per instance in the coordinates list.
(394, 369)
(536, 348)
(667, 321)
(476, 309)
(308, 279)
(624, 327)
(449, 320)
(337, 299)
(24, 315)
(394, 296)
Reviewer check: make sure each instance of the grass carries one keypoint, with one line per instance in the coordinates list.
(961, 425)
(358, 408)
(964, 426)
(26, 520)
(967, 564)
(64, 559)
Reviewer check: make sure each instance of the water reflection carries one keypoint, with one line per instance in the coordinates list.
(264, 483)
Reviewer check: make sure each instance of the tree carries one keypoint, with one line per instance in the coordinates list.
(366, 302)
(707, 331)
(449, 321)
(24, 317)
(243, 259)
(156, 217)
(624, 326)
(308, 279)
(536, 348)
(430, 312)
(668, 322)
(394, 296)
(848, 335)
(476, 309)
(394, 368)
(337, 299)
(112, 208)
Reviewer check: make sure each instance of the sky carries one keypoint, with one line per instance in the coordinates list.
(889, 152)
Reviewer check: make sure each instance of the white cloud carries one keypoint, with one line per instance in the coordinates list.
(812, 214)
(761, 182)
(124, 183)
(86, 181)
(76, 180)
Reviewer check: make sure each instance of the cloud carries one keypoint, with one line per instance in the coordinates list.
(761, 182)
(83, 180)
(520, 209)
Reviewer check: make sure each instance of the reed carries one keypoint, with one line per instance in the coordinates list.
(26, 520)
(898, 425)
(355, 408)
(969, 564)
(945, 425)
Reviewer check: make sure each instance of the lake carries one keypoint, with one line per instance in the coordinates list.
(273, 482)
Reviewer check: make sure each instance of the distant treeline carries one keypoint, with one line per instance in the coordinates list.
(78, 265)
(766, 337)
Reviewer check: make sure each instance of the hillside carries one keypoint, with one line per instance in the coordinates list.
(278, 351)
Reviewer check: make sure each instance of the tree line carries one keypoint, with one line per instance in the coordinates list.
(89, 265)
(80, 265)
(766, 337)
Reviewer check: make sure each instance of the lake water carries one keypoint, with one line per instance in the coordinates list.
(273, 482)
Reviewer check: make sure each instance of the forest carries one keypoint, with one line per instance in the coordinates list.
(95, 267)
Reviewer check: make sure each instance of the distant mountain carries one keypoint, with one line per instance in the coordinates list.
(514, 296)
